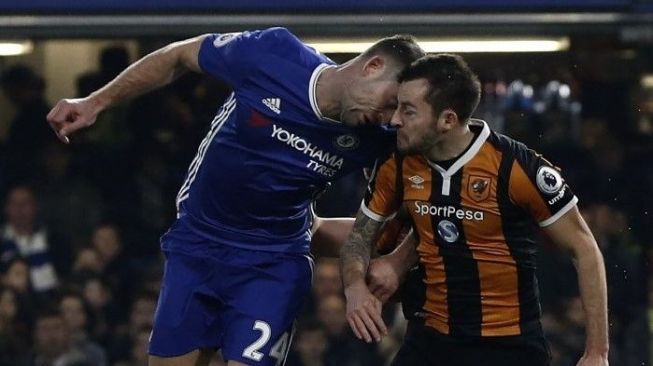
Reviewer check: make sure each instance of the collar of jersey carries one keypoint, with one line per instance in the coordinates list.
(312, 92)
(471, 152)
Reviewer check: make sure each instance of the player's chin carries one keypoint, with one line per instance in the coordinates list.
(403, 146)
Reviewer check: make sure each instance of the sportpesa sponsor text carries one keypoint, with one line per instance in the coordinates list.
(447, 211)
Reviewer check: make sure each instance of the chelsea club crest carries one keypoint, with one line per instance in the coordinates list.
(347, 142)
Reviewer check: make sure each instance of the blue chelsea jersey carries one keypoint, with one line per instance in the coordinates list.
(269, 151)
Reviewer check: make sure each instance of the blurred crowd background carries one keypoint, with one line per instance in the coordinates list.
(80, 265)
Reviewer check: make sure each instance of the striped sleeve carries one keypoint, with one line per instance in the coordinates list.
(394, 232)
(382, 199)
(539, 188)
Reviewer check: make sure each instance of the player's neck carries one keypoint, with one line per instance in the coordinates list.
(329, 89)
(452, 145)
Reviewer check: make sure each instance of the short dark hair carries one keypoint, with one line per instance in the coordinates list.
(401, 48)
(452, 84)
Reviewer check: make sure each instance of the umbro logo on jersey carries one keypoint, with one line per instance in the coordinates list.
(416, 181)
(273, 103)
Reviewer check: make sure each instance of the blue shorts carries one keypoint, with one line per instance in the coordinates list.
(240, 301)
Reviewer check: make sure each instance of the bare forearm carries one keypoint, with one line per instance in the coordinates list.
(151, 72)
(592, 284)
(355, 254)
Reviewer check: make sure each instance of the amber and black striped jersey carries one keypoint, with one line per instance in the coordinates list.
(476, 222)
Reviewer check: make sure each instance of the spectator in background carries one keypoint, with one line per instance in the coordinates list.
(113, 60)
(53, 345)
(13, 329)
(310, 347)
(106, 314)
(326, 282)
(87, 261)
(50, 342)
(22, 236)
(115, 264)
(29, 132)
(15, 275)
(71, 204)
(139, 344)
(75, 317)
(141, 316)
(155, 182)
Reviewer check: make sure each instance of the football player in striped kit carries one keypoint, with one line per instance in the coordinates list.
(475, 199)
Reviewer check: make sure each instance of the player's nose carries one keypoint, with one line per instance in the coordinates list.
(395, 121)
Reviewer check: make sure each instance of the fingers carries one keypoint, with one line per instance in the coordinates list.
(358, 326)
(375, 323)
(54, 121)
(366, 322)
(71, 127)
(58, 117)
(65, 118)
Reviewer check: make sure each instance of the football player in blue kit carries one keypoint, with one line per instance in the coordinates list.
(238, 266)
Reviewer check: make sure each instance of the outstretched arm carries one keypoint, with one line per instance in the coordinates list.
(152, 71)
(363, 308)
(571, 232)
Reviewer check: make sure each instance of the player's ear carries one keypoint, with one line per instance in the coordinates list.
(374, 65)
(449, 118)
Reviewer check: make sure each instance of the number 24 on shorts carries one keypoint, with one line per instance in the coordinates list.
(278, 351)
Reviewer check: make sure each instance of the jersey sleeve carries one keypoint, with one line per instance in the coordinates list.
(233, 57)
(382, 199)
(393, 232)
(539, 188)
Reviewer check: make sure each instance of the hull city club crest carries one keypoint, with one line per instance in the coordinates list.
(478, 187)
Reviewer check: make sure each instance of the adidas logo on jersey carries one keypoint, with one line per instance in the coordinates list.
(273, 103)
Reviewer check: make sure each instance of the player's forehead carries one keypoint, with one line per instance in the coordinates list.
(412, 91)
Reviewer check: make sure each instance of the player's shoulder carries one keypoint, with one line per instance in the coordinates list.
(510, 147)
(276, 37)
(279, 33)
